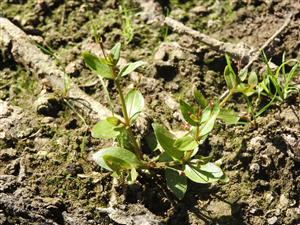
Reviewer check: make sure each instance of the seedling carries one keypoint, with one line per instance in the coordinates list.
(177, 156)
(127, 24)
(278, 85)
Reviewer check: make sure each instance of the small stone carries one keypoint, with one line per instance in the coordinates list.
(272, 220)
(47, 119)
(4, 109)
(170, 102)
(74, 68)
(256, 211)
(219, 209)
(2, 135)
(169, 51)
(269, 197)
(200, 9)
(254, 168)
(283, 201)
(2, 217)
(42, 153)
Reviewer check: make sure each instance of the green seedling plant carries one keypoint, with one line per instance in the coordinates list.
(278, 85)
(178, 156)
(127, 23)
(242, 83)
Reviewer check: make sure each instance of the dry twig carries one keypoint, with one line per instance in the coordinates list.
(237, 51)
(14, 40)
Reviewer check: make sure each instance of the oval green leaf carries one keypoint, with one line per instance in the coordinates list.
(213, 169)
(98, 65)
(252, 79)
(115, 163)
(187, 111)
(134, 101)
(228, 116)
(119, 157)
(176, 183)
(186, 143)
(105, 129)
(166, 141)
(207, 127)
(130, 67)
(201, 100)
(207, 173)
(115, 51)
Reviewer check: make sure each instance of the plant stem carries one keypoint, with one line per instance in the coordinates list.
(227, 97)
(123, 104)
(161, 165)
(127, 122)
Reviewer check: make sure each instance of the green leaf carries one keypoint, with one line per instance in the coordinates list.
(116, 158)
(105, 129)
(224, 179)
(187, 111)
(228, 116)
(166, 141)
(229, 74)
(67, 83)
(164, 157)
(124, 139)
(202, 159)
(227, 77)
(213, 169)
(207, 173)
(247, 90)
(243, 74)
(134, 101)
(115, 51)
(116, 164)
(205, 114)
(176, 183)
(98, 65)
(151, 141)
(200, 99)
(130, 67)
(252, 79)
(207, 127)
(186, 143)
(132, 176)
(113, 120)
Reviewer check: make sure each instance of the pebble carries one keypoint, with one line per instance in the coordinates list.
(283, 201)
(4, 109)
(272, 220)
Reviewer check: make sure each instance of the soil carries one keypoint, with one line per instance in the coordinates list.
(46, 172)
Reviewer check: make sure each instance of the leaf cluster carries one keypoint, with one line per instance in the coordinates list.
(276, 85)
(178, 156)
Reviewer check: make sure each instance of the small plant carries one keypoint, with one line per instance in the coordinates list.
(177, 156)
(127, 24)
(278, 85)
